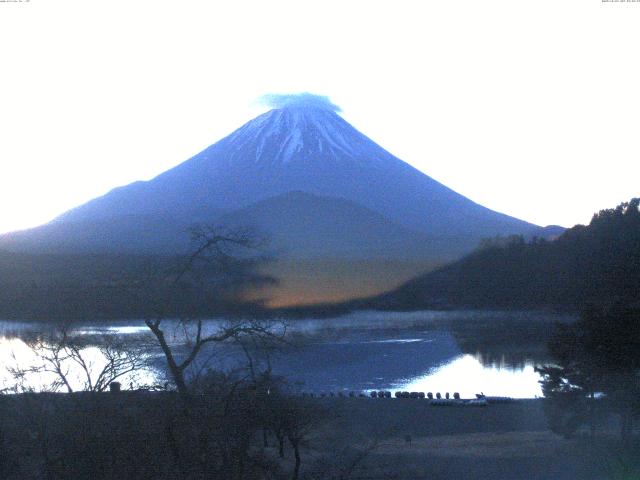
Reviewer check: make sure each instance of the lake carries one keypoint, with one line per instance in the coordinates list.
(456, 351)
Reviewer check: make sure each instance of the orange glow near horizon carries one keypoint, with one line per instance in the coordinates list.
(332, 281)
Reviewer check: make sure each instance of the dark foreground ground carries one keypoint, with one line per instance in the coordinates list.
(149, 436)
(502, 441)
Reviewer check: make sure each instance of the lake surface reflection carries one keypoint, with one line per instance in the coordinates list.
(466, 352)
(467, 375)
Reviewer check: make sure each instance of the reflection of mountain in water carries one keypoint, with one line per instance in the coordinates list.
(504, 343)
(512, 360)
(357, 362)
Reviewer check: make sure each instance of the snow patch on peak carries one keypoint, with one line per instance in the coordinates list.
(293, 144)
(302, 133)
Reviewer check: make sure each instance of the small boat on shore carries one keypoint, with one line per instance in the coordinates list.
(493, 399)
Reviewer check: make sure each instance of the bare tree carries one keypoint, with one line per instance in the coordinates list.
(69, 358)
(231, 330)
(299, 420)
(221, 261)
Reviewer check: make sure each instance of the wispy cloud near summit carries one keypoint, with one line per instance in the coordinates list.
(305, 99)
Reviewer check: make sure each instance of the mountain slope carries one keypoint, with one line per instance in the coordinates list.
(305, 149)
(346, 218)
(129, 234)
(296, 224)
(301, 225)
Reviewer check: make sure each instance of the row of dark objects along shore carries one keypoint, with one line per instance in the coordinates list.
(481, 398)
(437, 400)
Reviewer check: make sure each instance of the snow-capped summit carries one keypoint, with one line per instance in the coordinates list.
(295, 132)
(302, 145)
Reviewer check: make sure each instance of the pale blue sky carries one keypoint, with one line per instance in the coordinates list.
(528, 107)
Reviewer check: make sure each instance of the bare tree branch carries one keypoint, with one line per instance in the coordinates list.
(62, 354)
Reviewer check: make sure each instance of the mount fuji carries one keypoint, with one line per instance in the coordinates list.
(301, 174)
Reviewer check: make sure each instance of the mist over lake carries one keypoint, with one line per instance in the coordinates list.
(458, 351)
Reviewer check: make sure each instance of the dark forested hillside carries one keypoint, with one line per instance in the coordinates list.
(598, 263)
(92, 287)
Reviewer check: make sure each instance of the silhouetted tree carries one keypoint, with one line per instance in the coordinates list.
(206, 439)
(88, 363)
(596, 356)
(220, 260)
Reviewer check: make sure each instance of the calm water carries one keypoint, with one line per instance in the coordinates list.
(465, 352)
